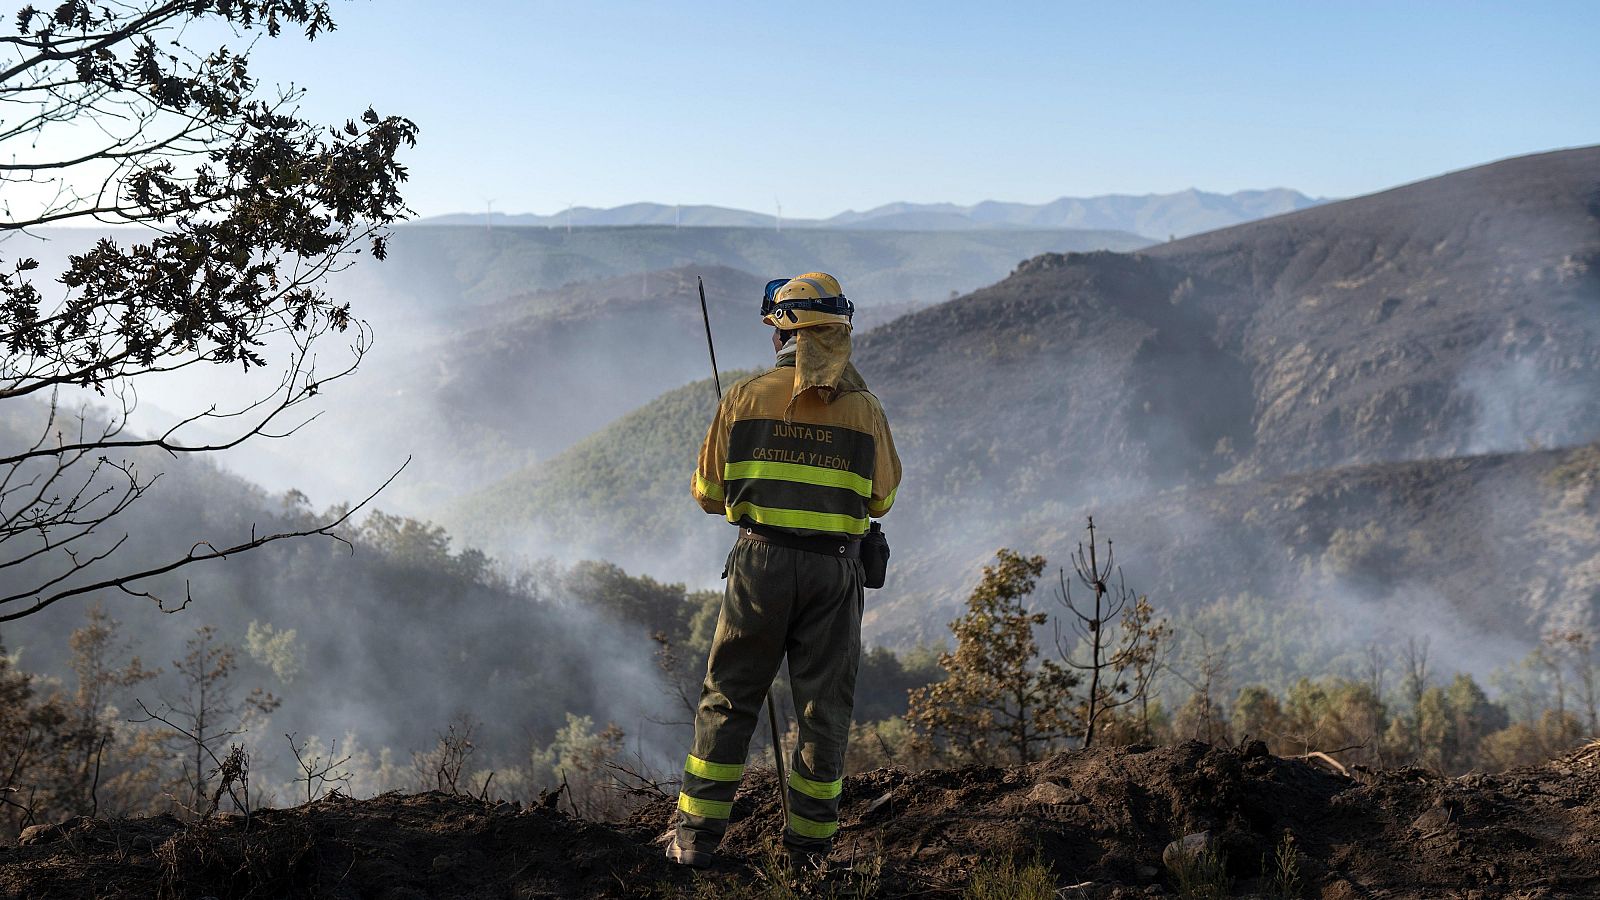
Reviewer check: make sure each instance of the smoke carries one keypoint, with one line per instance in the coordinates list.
(393, 666)
(1519, 404)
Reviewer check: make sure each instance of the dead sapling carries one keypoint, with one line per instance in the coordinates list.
(638, 779)
(317, 771)
(678, 678)
(441, 768)
(208, 713)
(1115, 630)
(232, 769)
(233, 778)
(28, 809)
(1206, 717)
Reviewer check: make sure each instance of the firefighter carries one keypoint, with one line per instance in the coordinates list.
(798, 457)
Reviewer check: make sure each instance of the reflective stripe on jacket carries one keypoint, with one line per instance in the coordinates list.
(803, 465)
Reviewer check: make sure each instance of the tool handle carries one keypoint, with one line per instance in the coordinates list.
(777, 757)
(705, 315)
(772, 708)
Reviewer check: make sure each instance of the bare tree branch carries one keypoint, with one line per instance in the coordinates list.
(243, 208)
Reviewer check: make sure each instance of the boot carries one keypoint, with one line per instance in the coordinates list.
(683, 856)
(807, 861)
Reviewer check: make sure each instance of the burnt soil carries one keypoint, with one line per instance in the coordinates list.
(1099, 819)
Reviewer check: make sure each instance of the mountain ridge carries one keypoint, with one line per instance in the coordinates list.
(1154, 216)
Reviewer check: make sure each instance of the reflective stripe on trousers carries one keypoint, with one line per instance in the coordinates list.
(778, 602)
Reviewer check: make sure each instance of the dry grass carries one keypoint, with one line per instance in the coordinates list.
(235, 859)
(1010, 879)
(1201, 876)
(777, 879)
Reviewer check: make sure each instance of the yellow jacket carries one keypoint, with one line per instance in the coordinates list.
(801, 464)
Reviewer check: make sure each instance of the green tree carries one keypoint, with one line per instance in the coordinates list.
(1334, 715)
(412, 542)
(886, 679)
(1530, 743)
(103, 676)
(1453, 723)
(885, 742)
(999, 701)
(276, 649)
(1570, 655)
(1406, 732)
(1258, 715)
(67, 750)
(631, 599)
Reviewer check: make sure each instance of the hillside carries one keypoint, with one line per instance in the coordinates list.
(1481, 552)
(617, 494)
(1452, 316)
(497, 349)
(1478, 554)
(1443, 319)
(1097, 822)
(540, 371)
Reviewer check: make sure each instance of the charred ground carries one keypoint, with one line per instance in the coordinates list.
(1098, 819)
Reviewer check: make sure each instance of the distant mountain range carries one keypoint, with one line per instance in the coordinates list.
(1156, 216)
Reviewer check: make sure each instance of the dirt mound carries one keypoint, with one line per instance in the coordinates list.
(392, 847)
(1101, 819)
(1098, 819)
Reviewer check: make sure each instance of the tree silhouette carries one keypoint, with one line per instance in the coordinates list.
(110, 115)
(1114, 638)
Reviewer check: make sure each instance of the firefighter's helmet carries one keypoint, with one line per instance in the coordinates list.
(814, 298)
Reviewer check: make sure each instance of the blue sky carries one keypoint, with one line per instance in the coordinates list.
(827, 106)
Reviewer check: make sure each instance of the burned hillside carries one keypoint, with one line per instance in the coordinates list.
(1371, 355)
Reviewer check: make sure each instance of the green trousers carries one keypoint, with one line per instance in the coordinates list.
(779, 601)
